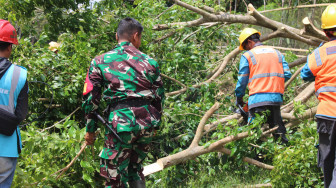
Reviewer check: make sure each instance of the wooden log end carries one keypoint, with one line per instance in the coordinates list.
(306, 21)
(251, 7)
(152, 168)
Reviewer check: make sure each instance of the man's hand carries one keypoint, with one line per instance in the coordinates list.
(90, 138)
(239, 101)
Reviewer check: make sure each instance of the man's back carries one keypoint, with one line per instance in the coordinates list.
(127, 74)
(322, 65)
(266, 70)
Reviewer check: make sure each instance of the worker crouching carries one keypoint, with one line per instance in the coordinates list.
(264, 70)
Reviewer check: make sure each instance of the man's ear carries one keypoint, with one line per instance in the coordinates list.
(117, 38)
(10, 48)
(135, 36)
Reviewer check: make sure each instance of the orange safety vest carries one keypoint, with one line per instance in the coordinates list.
(266, 70)
(322, 63)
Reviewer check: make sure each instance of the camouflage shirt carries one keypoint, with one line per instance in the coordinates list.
(122, 74)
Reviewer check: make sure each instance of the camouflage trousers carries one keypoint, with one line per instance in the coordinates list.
(123, 163)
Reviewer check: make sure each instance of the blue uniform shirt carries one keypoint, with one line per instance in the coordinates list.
(9, 144)
(262, 98)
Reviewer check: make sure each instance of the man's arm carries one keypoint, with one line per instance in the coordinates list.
(9, 120)
(306, 73)
(285, 66)
(158, 102)
(21, 109)
(243, 77)
(92, 99)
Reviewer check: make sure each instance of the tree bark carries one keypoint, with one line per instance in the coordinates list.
(248, 160)
(254, 18)
(201, 125)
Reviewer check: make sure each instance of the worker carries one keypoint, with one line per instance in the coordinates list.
(133, 89)
(265, 71)
(13, 104)
(321, 67)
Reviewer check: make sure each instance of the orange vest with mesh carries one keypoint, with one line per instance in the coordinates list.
(266, 70)
(322, 63)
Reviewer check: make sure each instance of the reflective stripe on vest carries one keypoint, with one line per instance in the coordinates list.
(317, 57)
(325, 89)
(252, 57)
(266, 75)
(10, 107)
(266, 70)
(322, 63)
(279, 56)
(331, 50)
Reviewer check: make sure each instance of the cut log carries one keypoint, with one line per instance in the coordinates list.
(151, 169)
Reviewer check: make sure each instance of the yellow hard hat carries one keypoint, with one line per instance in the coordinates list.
(246, 33)
(54, 46)
(328, 17)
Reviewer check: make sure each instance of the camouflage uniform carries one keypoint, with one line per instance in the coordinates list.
(125, 73)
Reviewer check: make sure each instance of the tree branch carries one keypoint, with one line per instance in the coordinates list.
(211, 25)
(61, 120)
(310, 29)
(170, 78)
(205, 14)
(164, 37)
(300, 6)
(164, 12)
(308, 114)
(293, 77)
(227, 58)
(297, 62)
(192, 23)
(200, 128)
(254, 18)
(303, 96)
(248, 160)
(290, 49)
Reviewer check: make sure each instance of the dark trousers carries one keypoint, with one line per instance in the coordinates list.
(326, 151)
(273, 119)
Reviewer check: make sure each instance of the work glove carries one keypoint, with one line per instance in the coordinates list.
(90, 138)
(239, 101)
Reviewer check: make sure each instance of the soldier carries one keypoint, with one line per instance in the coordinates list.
(133, 89)
(13, 104)
(321, 66)
(265, 71)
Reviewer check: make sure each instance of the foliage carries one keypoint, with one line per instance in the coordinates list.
(86, 30)
(45, 153)
(53, 17)
(295, 166)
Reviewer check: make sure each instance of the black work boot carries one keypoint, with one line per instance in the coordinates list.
(282, 133)
(137, 184)
(284, 139)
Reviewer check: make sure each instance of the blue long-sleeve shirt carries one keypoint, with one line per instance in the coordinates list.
(306, 73)
(258, 98)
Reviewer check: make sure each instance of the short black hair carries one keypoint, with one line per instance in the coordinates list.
(4, 45)
(255, 38)
(127, 27)
(330, 32)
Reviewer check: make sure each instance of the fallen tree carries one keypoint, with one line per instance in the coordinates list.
(308, 34)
